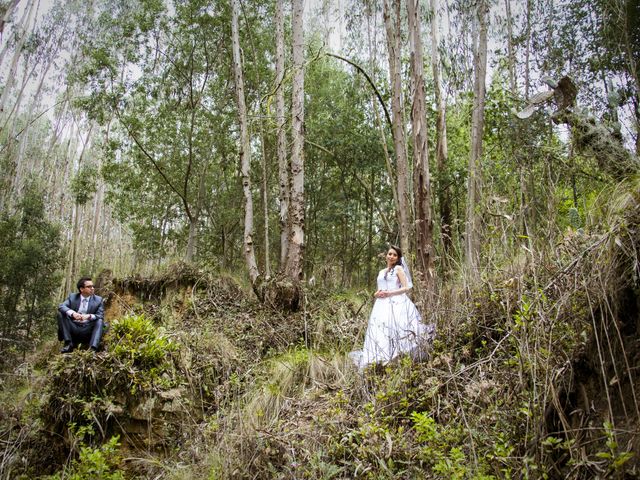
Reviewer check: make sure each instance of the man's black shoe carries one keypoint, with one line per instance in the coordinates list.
(68, 348)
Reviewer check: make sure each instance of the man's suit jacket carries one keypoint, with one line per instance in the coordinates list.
(95, 306)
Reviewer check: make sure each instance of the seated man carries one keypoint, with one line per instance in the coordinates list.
(81, 317)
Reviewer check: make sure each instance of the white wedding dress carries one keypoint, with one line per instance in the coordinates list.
(394, 328)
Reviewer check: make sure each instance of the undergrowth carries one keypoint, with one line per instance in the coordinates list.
(532, 375)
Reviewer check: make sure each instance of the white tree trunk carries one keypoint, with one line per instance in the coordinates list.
(16, 56)
(245, 146)
(7, 14)
(422, 181)
(510, 53)
(442, 153)
(283, 163)
(477, 129)
(392, 24)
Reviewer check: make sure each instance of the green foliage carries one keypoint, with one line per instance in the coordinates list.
(574, 218)
(166, 167)
(30, 258)
(140, 343)
(614, 457)
(84, 184)
(344, 159)
(94, 463)
(440, 450)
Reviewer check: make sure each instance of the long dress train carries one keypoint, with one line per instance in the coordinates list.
(394, 328)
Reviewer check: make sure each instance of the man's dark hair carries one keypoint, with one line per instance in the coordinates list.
(82, 281)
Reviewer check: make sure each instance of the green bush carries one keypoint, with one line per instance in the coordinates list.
(94, 463)
(139, 342)
(30, 259)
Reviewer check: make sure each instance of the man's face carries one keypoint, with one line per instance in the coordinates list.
(87, 289)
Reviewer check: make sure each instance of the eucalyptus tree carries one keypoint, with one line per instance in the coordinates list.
(6, 10)
(348, 195)
(605, 57)
(587, 43)
(22, 32)
(281, 133)
(441, 152)
(41, 53)
(422, 182)
(244, 147)
(392, 21)
(168, 91)
(472, 230)
(296, 217)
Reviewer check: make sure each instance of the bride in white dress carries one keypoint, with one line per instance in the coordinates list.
(395, 325)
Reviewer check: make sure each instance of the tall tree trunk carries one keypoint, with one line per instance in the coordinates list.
(36, 99)
(510, 53)
(442, 153)
(11, 76)
(98, 214)
(527, 54)
(626, 9)
(373, 56)
(296, 213)
(422, 182)
(71, 264)
(265, 202)
(7, 45)
(23, 163)
(11, 6)
(26, 76)
(191, 239)
(245, 146)
(283, 163)
(477, 129)
(392, 24)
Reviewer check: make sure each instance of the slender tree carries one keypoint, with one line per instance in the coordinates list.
(245, 146)
(296, 215)
(422, 181)
(442, 153)
(392, 26)
(23, 33)
(472, 231)
(281, 134)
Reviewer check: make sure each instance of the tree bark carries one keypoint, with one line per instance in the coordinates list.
(245, 147)
(422, 182)
(510, 53)
(392, 25)
(264, 190)
(283, 163)
(477, 129)
(442, 153)
(527, 54)
(296, 217)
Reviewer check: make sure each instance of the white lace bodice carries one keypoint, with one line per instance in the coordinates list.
(391, 282)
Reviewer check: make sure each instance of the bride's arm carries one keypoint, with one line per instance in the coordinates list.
(403, 282)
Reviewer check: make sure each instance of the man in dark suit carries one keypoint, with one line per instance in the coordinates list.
(81, 317)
